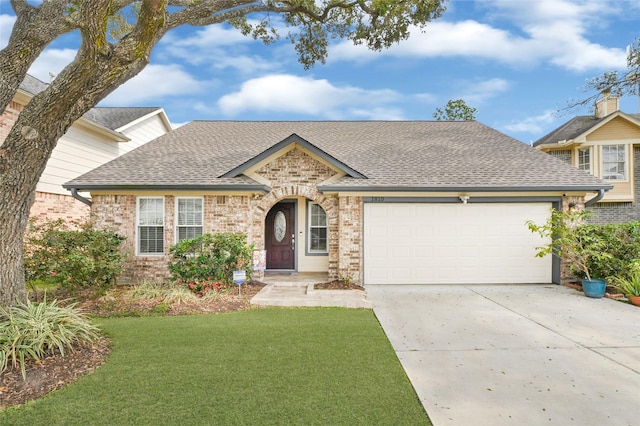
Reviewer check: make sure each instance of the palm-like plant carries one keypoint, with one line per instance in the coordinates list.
(630, 283)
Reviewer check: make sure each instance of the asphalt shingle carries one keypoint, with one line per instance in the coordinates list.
(417, 155)
(112, 118)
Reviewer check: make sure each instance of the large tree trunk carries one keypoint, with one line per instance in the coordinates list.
(13, 222)
(97, 70)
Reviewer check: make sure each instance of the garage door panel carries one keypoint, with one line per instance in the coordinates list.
(453, 243)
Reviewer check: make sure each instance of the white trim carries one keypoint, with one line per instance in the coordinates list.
(591, 158)
(175, 221)
(137, 242)
(626, 162)
(159, 112)
(326, 227)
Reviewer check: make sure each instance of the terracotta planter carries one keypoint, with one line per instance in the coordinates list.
(635, 300)
(594, 287)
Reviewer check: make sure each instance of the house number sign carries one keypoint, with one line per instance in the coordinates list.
(280, 226)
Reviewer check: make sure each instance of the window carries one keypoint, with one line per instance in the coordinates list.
(150, 225)
(317, 229)
(584, 159)
(189, 218)
(614, 159)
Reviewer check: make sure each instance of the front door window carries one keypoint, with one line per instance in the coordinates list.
(280, 226)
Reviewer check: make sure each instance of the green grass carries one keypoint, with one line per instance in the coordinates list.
(268, 366)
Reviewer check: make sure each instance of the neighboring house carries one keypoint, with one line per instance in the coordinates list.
(379, 202)
(606, 145)
(101, 135)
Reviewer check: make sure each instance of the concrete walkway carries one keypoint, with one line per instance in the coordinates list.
(293, 289)
(515, 355)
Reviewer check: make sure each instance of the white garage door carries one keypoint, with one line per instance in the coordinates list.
(453, 243)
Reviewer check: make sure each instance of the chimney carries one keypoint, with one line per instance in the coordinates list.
(606, 105)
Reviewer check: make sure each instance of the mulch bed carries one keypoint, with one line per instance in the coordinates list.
(337, 285)
(55, 371)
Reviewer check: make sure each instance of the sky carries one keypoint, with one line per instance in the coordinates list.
(518, 62)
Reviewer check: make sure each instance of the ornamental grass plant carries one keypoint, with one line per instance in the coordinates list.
(35, 330)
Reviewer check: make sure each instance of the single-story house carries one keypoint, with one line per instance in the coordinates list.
(607, 145)
(380, 202)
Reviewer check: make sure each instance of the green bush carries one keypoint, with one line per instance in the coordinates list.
(35, 330)
(72, 255)
(210, 257)
(620, 241)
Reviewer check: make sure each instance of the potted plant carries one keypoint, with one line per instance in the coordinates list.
(629, 284)
(566, 239)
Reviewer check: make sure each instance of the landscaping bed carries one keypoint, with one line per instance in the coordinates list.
(55, 371)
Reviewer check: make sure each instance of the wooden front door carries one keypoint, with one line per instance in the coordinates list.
(280, 236)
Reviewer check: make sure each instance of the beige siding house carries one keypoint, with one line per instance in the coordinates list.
(95, 139)
(606, 145)
(378, 202)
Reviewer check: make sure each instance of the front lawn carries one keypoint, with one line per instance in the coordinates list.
(266, 366)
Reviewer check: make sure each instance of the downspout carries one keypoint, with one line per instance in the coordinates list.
(74, 193)
(595, 199)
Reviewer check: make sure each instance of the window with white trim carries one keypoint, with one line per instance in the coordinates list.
(614, 162)
(584, 159)
(317, 221)
(188, 218)
(150, 218)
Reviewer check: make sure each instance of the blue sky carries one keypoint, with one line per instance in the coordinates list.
(516, 61)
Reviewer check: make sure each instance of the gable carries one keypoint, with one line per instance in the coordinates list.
(617, 129)
(294, 166)
(283, 146)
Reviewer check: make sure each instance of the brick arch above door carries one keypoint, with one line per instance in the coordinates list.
(311, 193)
(329, 204)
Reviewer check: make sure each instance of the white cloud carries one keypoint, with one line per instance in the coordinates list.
(218, 46)
(532, 125)
(154, 83)
(478, 92)
(51, 61)
(6, 24)
(550, 31)
(304, 95)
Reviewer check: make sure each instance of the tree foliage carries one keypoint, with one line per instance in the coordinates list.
(615, 83)
(117, 37)
(457, 110)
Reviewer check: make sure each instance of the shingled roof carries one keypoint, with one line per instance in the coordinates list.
(112, 118)
(569, 130)
(576, 127)
(384, 155)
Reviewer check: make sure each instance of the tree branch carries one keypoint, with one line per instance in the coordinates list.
(34, 29)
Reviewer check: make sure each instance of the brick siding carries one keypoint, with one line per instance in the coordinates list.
(8, 118)
(56, 206)
(295, 174)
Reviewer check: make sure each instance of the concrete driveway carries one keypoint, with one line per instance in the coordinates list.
(515, 355)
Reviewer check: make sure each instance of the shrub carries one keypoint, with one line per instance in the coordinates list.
(202, 287)
(72, 255)
(564, 238)
(620, 241)
(601, 251)
(210, 258)
(34, 330)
